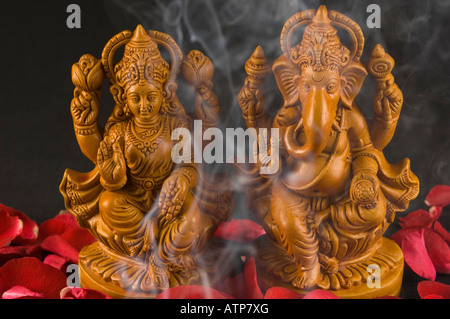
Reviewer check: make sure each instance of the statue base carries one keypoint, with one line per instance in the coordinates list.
(365, 278)
(123, 277)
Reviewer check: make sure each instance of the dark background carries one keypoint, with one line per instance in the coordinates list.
(37, 141)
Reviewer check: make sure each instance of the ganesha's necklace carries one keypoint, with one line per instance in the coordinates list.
(147, 142)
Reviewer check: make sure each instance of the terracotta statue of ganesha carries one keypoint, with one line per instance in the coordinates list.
(154, 219)
(334, 195)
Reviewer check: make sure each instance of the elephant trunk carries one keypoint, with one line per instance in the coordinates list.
(318, 115)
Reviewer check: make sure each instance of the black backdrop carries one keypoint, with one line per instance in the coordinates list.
(37, 141)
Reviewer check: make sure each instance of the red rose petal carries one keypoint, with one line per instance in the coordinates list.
(12, 252)
(433, 288)
(281, 293)
(58, 225)
(400, 235)
(418, 218)
(82, 293)
(10, 228)
(434, 297)
(57, 245)
(438, 250)
(438, 196)
(251, 280)
(243, 285)
(78, 238)
(239, 230)
(55, 261)
(30, 229)
(320, 294)
(234, 286)
(33, 274)
(435, 212)
(415, 253)
(441, 231)
(192, 292)
(17, 292)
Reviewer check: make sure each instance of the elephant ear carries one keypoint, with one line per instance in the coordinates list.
(287, 76)
(352, 78)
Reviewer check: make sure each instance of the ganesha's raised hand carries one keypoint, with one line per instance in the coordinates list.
(84, 108)
(173, 194)
(111, 164)
(389, 99)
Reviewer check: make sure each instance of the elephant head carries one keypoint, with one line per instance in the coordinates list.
(314, 76)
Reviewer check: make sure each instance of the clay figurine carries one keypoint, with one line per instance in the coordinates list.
(334, 194)
(154, 219)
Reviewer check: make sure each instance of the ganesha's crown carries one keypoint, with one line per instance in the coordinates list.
(141, 62)
(321, 47)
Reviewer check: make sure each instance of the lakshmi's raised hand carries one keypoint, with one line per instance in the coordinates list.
(84, 108)
(111, 164)
(87, 76)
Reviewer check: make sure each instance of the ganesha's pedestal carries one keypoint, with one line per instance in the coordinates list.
(153, 211)
(375, 274)
(334, 195)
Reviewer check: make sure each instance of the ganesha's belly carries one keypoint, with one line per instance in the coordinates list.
(322, 176)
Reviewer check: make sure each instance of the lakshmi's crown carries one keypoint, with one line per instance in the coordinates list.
(141, 62)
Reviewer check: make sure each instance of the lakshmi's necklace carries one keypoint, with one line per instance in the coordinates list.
(147, 142)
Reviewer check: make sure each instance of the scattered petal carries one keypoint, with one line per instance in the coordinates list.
(433, 288)
(82, 293)
(441, 231)
(239, 230)
(438, 196)
(416, 255)
(251, 280)
(30, 229)
(33, 274)
(192, 292)
(320, 294)
(56, 261)
(281, 293)
(78, 238)
(61, 235)
(10, 228)
(12, 252)
(22, 292)
(234, 286)
(434, 297)
(435, 212)
(58, 225)
(438, 250)
(418, 218)
(57, 245)
(244, 285)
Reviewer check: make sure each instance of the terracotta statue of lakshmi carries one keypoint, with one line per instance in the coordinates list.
(334, 194)
(154, 220)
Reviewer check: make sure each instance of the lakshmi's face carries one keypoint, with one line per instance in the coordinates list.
(144, 100)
